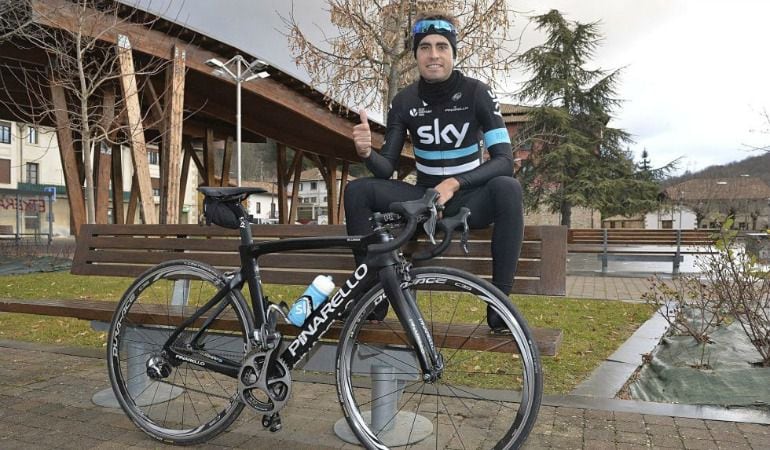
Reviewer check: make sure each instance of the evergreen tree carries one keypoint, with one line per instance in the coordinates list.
(578, 159)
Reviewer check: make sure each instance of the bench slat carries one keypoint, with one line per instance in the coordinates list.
(467, 336)
(129, 250)
(475, 249)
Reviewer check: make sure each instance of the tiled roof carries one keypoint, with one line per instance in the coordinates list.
(737, 188)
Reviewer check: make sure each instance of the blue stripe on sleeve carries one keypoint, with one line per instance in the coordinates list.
(446, 154)
(496, 136)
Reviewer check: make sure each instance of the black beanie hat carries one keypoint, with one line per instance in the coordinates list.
(441, 27)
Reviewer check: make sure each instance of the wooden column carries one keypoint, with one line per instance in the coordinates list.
(208, 158)
(172, 140)
(332, 190)
(133, 200)
(228, 155)
(282, 175)
(103, 157)
(136, 130)
(343, 183)
(68, 161)
(187, 149)
(118, 215)
(295, 186)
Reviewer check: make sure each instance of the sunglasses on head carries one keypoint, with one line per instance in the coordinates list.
(433, 25)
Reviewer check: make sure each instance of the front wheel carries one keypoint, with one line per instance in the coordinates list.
(179, 399)
(488, 394)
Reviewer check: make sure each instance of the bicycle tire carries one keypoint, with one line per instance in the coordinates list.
(485, 398)
(192, 404)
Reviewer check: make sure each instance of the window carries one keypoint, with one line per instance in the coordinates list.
(273, 213)
(259, 208)
(32, 173)
(153, 157)
(32, 222)
(326, 199)
(667, 224)
(5, 133)
(5, 171)
(313, 185)
(300, 186)
(156, 192)
(32, 135)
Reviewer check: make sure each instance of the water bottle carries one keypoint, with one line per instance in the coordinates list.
(313, 297)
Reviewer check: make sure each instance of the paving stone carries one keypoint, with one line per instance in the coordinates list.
(733, 446)
(600, 424)
(754, 428)
(598, 415)
(628, 417)
(537, 443)
(690, 423)
(694, 433)
(631, 438)
(633, 427)
(599, 444)
(663, 430)
(665, 441)
(734, 436)
(758, 441)
(570, 412)
(699, 444)
(599, 434)
(659, 420)
(627, 446)
(564, 442)
(231, 439)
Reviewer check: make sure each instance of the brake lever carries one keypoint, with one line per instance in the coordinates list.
(430, 225)
(464, 235)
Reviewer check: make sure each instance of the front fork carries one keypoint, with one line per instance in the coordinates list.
(417, 333)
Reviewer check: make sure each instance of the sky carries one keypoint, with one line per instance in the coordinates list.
(694, 80)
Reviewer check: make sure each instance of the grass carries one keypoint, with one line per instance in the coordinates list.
(593, 329)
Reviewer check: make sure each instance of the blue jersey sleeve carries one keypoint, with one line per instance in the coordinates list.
(496, 140)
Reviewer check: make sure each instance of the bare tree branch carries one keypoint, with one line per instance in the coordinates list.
(370, 57)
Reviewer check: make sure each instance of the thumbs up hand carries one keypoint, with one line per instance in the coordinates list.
(362, 136)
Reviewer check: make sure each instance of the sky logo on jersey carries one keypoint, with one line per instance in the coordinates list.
(449, 134)
(496, 102)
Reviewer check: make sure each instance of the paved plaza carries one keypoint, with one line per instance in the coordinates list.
(46, 391)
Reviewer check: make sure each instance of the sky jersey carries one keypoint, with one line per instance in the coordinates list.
(446, 135)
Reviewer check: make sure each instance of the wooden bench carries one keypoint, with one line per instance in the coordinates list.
(629, 244)
(128, 250)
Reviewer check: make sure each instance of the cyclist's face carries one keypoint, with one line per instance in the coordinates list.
(434, 58)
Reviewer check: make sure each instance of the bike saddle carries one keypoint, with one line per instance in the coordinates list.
(229, 193)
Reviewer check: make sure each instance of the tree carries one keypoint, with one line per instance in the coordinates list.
(370, 57)
(83, 67)
(578, 160)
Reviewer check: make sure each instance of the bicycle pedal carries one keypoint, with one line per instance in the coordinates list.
(272, 423)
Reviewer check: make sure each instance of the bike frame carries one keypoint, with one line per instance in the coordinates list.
(378, 267)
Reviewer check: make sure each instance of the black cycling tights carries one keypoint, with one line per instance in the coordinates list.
(499, 201)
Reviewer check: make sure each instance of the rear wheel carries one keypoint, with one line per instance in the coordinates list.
(489, 393)
(180, 400)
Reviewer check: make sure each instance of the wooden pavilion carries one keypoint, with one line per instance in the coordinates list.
(187, 108)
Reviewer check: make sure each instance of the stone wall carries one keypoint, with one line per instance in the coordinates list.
(581, 218)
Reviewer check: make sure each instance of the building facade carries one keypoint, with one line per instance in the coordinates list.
(33, 198)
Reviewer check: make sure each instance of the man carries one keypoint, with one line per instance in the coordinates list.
(446, 114)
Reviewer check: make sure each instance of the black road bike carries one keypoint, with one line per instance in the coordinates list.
(186, 353)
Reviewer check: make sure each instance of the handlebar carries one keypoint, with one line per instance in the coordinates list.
(448, 226)
(415, 212)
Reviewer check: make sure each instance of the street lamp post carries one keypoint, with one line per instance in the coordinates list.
(244, 71)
